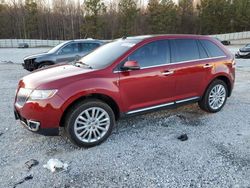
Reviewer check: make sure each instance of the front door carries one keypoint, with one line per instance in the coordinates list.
(154, 84)
(68, 53)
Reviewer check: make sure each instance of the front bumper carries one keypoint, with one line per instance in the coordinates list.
(242, 55)
(29, 64)
(34, 126)
(42, 116)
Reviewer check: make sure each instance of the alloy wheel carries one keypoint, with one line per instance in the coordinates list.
(217, 96)
(92, 124)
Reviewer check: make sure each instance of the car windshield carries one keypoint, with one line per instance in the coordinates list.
(108, 53)
(248, 45)
(53, 50)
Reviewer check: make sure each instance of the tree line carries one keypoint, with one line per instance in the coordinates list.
(71, 19)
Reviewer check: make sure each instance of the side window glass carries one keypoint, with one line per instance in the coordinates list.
(212, 49)
(152, 54)
(69, 49)
(87, 47)
(203, 53)
(184, 50)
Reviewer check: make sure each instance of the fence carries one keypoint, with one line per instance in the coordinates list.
(235, 38)
(13, 43)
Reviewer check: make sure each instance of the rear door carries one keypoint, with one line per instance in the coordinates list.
(191, 68)
(152, 85)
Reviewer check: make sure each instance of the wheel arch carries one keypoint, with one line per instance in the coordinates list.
(45, 62)
(225, 79)
(105, 98)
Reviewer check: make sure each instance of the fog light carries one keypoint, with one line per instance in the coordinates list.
(33, 125)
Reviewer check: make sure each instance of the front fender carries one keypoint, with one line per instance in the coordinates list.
(87, 87)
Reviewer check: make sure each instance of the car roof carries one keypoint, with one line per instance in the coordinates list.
(86, 40)
(145, 37)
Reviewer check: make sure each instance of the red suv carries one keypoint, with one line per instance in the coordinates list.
(126, 77)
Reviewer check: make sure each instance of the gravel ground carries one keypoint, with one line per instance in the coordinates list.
(16, 55)
(142, 151)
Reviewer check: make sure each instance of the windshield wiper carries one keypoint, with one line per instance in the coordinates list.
(78, 63)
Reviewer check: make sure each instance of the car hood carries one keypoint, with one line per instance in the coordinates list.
(54, 77)
(36, 55)
(245, 49)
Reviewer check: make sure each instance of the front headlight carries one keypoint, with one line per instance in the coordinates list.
(42, 94)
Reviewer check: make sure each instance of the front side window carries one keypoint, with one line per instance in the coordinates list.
(152, 54)
(184, 50)
(70, 48)
(56, 48)
(212, 49)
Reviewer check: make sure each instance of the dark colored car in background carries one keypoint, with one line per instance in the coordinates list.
(243, 52)
(63, 53)
(224, 42)
(23, 45)
(126, 77)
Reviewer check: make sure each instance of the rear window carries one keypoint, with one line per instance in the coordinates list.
(184, 50)
(212, 49)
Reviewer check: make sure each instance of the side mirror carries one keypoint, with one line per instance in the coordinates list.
(77, 57)
(130, 65)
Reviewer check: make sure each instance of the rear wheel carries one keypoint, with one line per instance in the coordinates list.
(215, 97)
(89, 123)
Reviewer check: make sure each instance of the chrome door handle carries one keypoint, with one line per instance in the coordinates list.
(207, 66)
(168, 72)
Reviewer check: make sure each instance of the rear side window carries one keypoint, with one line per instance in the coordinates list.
(87, 47)
(184, 50)
(203, 53)
(152, 54)
(212, 49)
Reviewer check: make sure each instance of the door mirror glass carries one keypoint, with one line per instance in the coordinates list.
(130, 65)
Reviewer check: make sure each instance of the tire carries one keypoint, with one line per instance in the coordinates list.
(206, 103)
(43, 65)
(91, 131)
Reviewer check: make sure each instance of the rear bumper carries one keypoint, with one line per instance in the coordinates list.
(238, 55)
(34, 126)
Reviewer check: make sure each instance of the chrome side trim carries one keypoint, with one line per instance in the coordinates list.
(161, 105)
(186, 100)
(179, 62)
(150, 108)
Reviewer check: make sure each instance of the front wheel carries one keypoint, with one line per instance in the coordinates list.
(44, 65)
(215, 97)
(89, 123)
